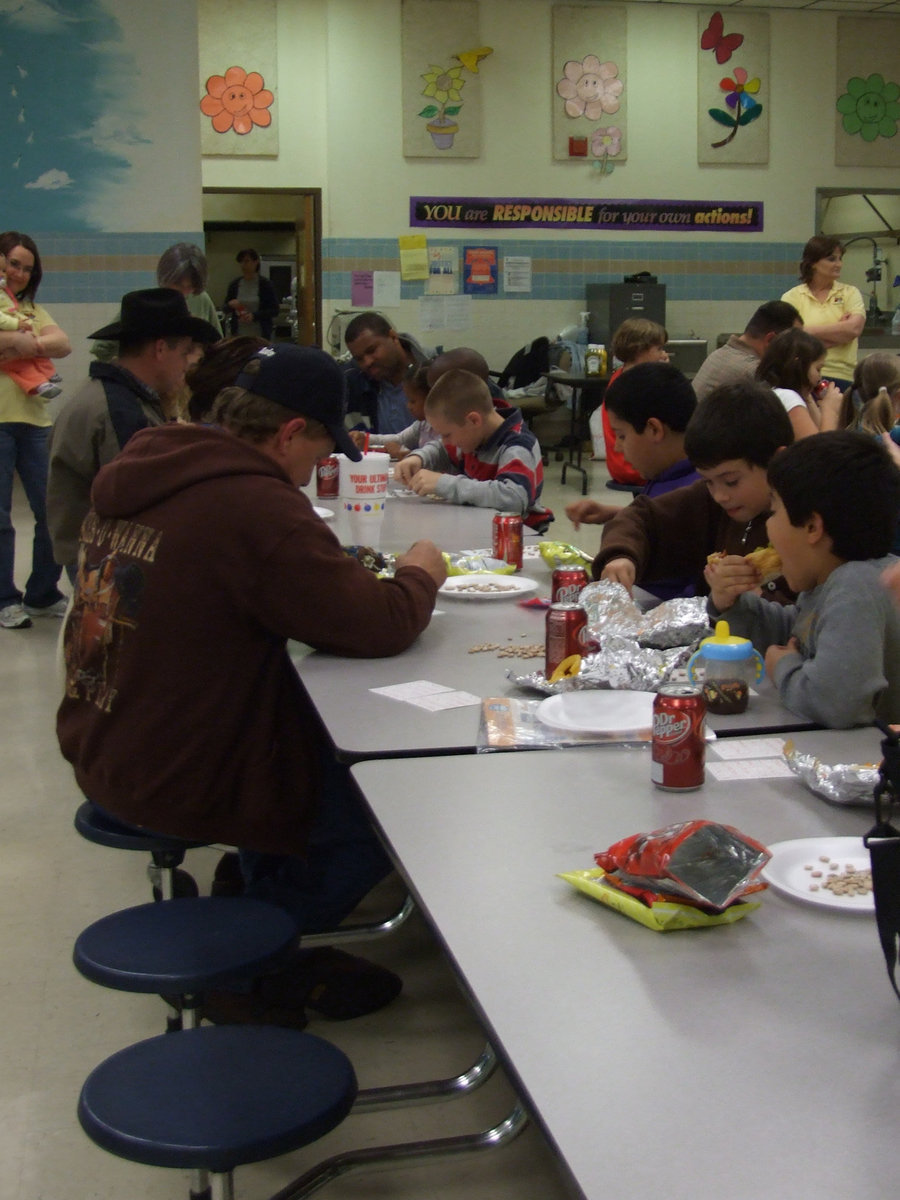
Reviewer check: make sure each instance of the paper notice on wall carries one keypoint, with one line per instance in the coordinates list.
(361, 289)
(385, 289)
(413, 256)
(443, 271)
(445, 312)
(516, 273)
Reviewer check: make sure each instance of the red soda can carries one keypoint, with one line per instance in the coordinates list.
(327, 476)
(507, 539)
(566, 584)
(566, 628)
(679, 747)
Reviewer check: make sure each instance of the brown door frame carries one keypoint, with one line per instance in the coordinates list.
(311, 240)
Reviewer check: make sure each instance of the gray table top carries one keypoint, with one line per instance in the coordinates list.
(719, 1062)
(363, 725)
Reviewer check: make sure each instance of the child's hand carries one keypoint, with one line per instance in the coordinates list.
(394, 449)
(829, 405)
(358, 438)
(620, 570)
(590, 512)
(776, 653)
(406, 468)
(424, 483)
(25, 325)
(426, 555)
(729, 577)
(891, 580)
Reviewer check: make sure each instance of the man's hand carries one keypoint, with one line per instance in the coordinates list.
(406, 468)
(426, 555)
(776, 653)
(620, 570)
(590, 512)
(424, 483)
(728, 578)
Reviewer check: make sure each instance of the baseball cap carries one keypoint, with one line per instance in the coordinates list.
(308, 382)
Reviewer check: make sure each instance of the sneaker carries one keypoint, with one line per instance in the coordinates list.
(14, 616)
(46, 391)
(49, 610)
(54, 378)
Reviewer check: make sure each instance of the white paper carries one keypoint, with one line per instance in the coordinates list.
(445, 312)
(385, 289)
(410, 691)
(441, 700)
(516, 273)
(750, 768)
(758, 747)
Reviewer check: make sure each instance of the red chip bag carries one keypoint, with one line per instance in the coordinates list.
(700, 861)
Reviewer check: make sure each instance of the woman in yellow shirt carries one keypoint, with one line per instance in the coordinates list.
(832, 311)
(24, 441)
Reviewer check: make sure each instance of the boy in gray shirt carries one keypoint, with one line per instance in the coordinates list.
(835, 655)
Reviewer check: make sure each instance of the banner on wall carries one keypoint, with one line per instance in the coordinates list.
(661, 216)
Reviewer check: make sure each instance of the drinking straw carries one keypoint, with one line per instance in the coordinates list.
(366, 444)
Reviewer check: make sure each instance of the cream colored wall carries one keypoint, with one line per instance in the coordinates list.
(339, 100)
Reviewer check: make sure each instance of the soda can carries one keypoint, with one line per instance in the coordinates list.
(566, 584)
(328, 476)
(566, 628)
(679, 746)
(507, 539)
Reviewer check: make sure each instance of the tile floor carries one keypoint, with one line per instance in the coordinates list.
(56, 1026)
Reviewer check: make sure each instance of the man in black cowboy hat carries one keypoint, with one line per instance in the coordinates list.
(156, 334)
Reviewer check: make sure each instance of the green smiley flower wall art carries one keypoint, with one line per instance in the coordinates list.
(870, 107)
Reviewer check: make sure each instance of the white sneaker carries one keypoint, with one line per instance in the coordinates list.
(14, 616)
(49, 610)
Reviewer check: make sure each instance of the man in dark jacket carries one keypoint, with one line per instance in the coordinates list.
(156, 335)
(382, 358)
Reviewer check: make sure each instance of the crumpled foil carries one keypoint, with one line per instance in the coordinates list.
(612, 612)
(846, 784)
(621, 663)
(474, 562)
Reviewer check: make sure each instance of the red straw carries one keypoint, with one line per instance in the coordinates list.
(366, 445)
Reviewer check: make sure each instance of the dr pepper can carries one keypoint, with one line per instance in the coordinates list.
(328, 476)
(566, 627)
(679, 747)
(507, 539)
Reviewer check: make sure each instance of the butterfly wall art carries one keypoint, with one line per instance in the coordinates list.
(714, 38)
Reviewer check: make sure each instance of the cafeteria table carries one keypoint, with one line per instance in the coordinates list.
(364, 725)
(408, 517)
(725, 1062)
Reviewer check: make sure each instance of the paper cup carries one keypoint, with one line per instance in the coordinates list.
(363, 489)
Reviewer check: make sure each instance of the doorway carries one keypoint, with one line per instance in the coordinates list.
(284, 226)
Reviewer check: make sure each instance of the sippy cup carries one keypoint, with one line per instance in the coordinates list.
(729, 665)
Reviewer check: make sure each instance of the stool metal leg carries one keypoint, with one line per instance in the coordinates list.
(430, 1090)
(404, 1152)
(221, 1187)
(360, 933)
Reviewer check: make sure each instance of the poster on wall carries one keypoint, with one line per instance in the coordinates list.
(733, 86)
(95, 116)
(442, 61)
(480, 270)
(867, 93)
(589, 93)
(238, 82)
(663, 216)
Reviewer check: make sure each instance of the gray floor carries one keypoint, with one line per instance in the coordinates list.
(56, 1026)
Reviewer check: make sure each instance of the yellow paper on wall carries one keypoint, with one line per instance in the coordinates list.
(413, 256)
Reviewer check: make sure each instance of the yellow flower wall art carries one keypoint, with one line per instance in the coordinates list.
(237, 100)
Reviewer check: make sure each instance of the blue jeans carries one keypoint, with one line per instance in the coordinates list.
(344, 860)
(25, 448)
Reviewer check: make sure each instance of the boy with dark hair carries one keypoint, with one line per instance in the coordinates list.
(835, 655)
(730, 439)
(483, 457)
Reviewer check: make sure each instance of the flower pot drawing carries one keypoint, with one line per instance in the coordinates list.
(442, 130)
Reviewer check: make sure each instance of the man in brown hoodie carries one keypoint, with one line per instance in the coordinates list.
(198, 561)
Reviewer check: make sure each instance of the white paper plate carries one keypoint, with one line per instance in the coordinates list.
(325, 513)
(787, 870)
(598, 711)
(402, 493)
(508, 587)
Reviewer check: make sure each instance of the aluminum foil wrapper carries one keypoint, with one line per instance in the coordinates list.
(621, 664)
(612, 613)
(473, 562)
(845, 784)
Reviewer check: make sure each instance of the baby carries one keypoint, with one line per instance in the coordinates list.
(35, 376)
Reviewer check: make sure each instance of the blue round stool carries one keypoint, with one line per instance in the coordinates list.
(167, 853)
(184, 947)
(212, 1099)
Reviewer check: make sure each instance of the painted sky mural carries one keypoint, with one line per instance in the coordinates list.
(85, 122)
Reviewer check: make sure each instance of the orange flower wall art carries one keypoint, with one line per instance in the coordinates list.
(237, 101)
